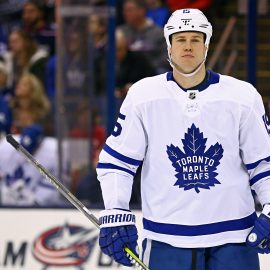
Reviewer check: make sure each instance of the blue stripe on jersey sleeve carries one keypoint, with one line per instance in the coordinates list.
(205, 229)
(112, 166)
(258, 177)
(255, 164)
(121, 157)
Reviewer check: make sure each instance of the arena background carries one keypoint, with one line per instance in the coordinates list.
(239, 47)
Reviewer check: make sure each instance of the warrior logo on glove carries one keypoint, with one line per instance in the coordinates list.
(117, 231)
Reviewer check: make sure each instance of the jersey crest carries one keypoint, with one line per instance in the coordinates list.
(18, 174)
(195, 166)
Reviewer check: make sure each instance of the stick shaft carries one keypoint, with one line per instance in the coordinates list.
(66, 193)
(58, 185)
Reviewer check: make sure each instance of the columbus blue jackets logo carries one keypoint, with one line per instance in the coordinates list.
(65, 246)
(195, 166)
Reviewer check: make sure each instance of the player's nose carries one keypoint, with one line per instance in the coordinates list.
(187, 46)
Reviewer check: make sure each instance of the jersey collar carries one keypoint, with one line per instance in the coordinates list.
(211, 77)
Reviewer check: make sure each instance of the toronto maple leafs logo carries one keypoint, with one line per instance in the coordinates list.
(195, 167)
(18, 174)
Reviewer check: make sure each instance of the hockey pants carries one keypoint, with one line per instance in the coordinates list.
(161, 256)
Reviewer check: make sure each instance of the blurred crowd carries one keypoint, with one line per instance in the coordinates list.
(29, 93)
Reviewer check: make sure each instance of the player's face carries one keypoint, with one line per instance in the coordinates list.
(188, 50)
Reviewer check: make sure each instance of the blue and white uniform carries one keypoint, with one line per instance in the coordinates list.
(202, 149)
(21, 183)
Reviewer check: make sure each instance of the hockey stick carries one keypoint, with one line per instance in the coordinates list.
(69, 196)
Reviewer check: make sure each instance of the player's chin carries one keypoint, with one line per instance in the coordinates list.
(191, 68)
(186, 66)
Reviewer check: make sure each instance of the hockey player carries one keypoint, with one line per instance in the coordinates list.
(203, 140)
(21, 184)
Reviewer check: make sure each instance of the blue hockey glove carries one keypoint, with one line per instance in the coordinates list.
(118, 230)
(31, 137)
(259, 237)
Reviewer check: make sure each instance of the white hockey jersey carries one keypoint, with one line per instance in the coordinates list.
(202, 151)
(21, 183)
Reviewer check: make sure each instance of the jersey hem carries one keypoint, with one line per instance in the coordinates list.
(200, 242)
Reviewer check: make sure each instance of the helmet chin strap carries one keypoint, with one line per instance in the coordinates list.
(177, 68)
